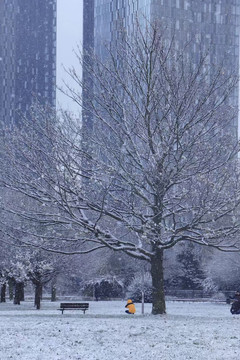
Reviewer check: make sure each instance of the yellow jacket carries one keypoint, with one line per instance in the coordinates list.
(130, 306)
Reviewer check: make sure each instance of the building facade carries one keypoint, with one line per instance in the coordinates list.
(215, 21)
(27, 56)
(211, 24)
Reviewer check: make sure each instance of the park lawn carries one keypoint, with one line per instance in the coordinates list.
(189, 331)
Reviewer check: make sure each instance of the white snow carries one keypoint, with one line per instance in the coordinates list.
(188, 331)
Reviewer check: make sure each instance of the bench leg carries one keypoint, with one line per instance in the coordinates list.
(62, 311)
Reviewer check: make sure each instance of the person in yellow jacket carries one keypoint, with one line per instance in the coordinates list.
(130, 307)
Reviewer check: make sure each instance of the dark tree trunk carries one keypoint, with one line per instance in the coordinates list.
(159, 306)
(21, 289)
(41, 292)
(53, 294)
(3, 293)
(11, 288)
(38, 295)
(17, 294)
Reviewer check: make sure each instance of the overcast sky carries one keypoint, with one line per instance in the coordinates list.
(69, 35)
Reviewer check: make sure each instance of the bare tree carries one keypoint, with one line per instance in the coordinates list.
(155, 165)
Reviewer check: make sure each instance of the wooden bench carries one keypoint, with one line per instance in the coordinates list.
(74, 306)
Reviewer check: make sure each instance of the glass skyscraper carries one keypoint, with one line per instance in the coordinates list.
(215, 21)
(27, 56)
(213, 24)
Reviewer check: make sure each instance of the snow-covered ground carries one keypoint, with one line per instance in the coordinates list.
(188, 331)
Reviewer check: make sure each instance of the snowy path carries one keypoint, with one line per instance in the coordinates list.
(189, 331)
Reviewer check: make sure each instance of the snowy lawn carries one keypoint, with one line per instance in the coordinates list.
(188, 331)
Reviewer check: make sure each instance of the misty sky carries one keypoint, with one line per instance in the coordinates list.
(69, 35)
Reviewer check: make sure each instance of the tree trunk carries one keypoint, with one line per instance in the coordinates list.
(53, 293)
(38, 295)
(17, 294)
(3, 293)
(41, 292)
(158, 306)
(10, 286)
(21, 289)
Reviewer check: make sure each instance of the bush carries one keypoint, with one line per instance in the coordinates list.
(103, 289)
(137, 295)
(136, 287)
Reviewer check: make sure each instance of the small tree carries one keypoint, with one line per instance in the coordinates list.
(16, 273)
(40, 271)
(190, 272)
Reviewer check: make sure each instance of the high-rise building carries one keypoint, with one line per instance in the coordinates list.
(27, 56)
(215, 21)
(211, 24)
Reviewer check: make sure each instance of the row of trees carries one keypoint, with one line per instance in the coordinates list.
(21, 266)
(154, 162)
(187, 268)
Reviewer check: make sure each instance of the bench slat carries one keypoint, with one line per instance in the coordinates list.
(74, 306)
(69, 305)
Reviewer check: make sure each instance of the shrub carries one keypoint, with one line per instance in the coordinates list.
(103, 289)
(136, 287)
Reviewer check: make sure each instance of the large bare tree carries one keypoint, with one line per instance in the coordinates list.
(153, 163)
